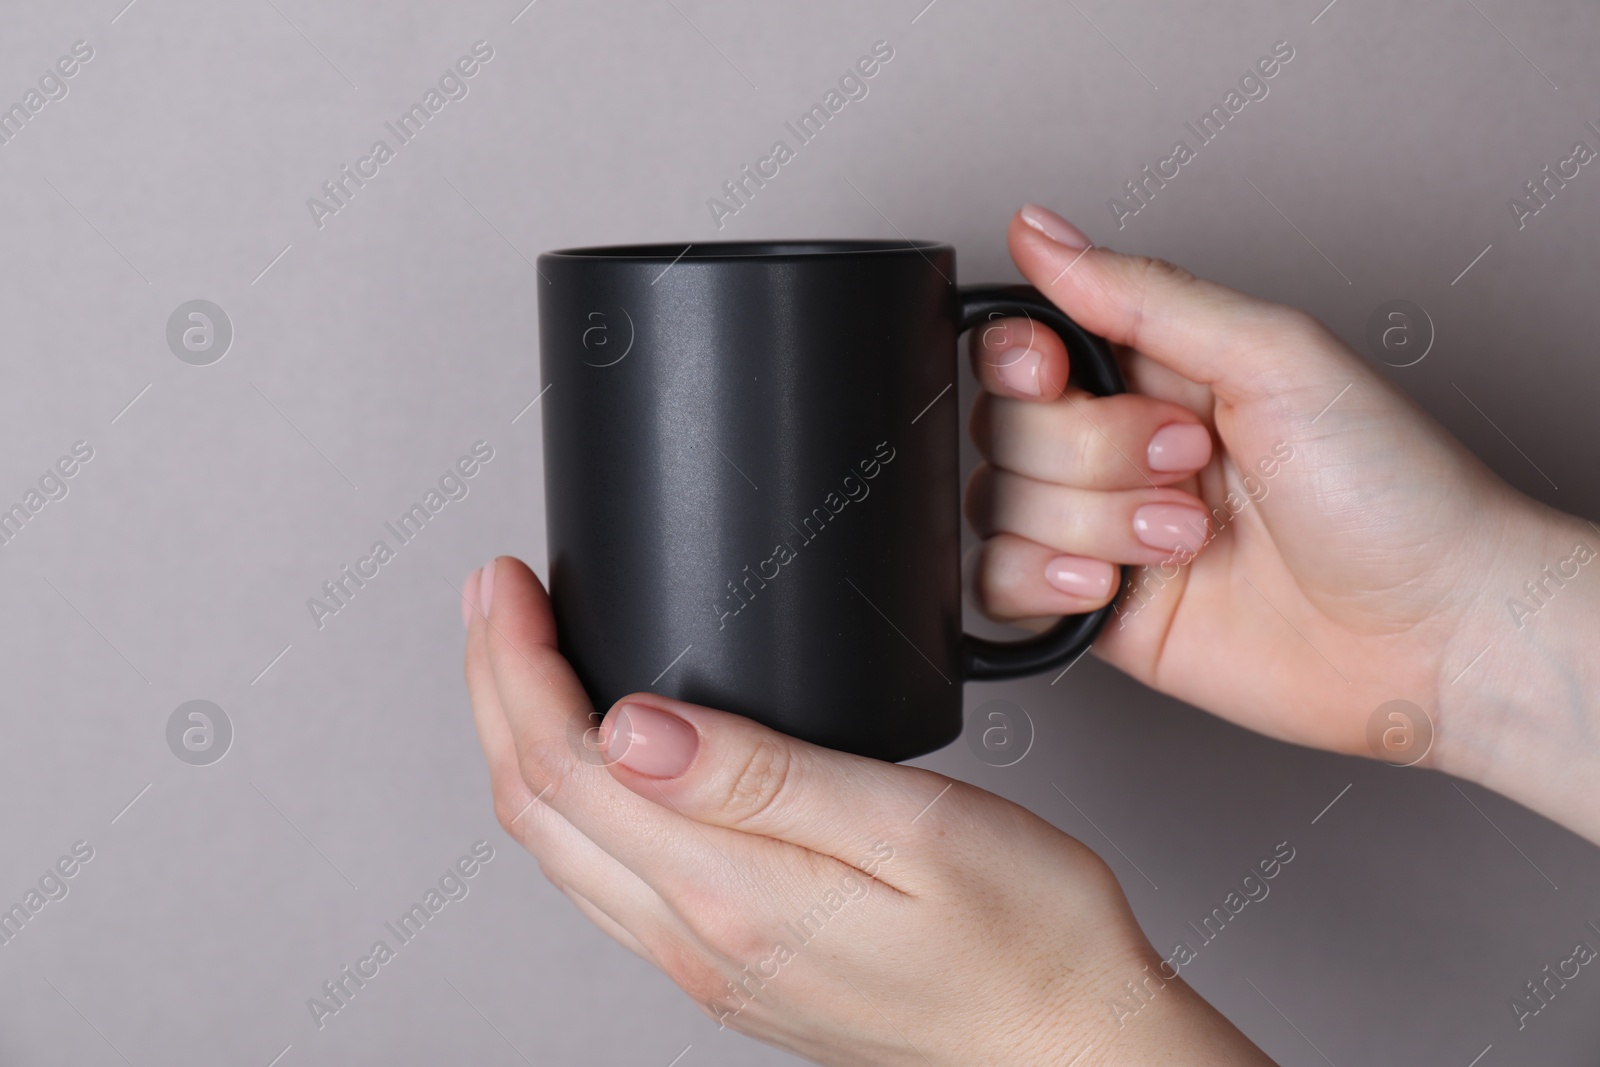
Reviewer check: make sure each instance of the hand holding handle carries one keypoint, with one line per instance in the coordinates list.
(1094, 369)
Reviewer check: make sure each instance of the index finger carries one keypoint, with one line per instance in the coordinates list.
(511, 648)
(548, 714)
(1019, 358)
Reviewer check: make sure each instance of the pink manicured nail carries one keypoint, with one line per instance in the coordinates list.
(487, 583)
(649, 741)
(469, 591)
(1179, 446)
(1054, 227)
(1088, 578)
(1018, 369)
(1170, 526)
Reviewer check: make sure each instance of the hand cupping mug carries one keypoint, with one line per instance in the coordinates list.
(752, 482)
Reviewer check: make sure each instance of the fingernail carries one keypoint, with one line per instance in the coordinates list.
(469, 592)
(1054, 227)
(1170, 526)
(487, 587)
(1088, 578)
(649, 741)
(1018, 369)
(1179, 446)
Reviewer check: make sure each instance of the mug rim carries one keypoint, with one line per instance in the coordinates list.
(733, 251)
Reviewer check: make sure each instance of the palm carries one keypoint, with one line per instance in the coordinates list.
(1333, 591)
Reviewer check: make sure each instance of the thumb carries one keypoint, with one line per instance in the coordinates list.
(1243, 348)
(726, 770)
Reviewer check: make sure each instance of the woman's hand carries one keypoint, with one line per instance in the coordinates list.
(852, 911)
(1309, 545)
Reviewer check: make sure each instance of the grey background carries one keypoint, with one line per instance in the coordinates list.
(178, 566)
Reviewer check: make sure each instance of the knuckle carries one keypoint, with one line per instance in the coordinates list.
(757, 782)
(995, 580)
(693, 969)
(1084, 449)
(545, 763)
(731, 934)
(507, 806)
(701, 979)
(1158, 271)
(522, 816)
(980, 424)
(989, 575)
(1280, 336)
(1154, 278)
(551, 877)
(977, 503)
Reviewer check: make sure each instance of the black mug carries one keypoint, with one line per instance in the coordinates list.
(752, 482)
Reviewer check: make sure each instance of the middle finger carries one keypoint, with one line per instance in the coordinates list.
(1088, 442)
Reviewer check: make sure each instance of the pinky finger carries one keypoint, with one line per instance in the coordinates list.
(618, 933)
(1015, 578)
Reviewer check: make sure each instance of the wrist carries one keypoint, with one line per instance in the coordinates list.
(1131, 1008)
(1062, 1005)
(1519, 688)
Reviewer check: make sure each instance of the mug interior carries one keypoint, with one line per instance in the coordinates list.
(744, 249)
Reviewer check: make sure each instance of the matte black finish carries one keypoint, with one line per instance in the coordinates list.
(752, 482)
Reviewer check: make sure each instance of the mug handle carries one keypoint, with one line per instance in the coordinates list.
(1094, 369)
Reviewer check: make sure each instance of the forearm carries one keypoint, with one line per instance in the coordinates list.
(1519, 704)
